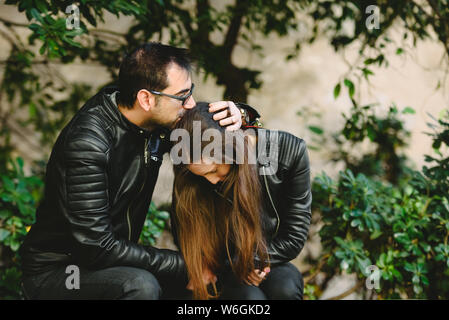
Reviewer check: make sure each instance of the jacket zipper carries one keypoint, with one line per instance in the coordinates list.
(145, 155)
(272, 203)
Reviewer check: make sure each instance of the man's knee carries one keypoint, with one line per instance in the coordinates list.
(289, 287)
(142, 286)
(233, 289)
(288, 291)
(244, 292)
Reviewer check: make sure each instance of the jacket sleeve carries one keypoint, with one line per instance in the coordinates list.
(86, 203)
(295, 214)
(252, 116)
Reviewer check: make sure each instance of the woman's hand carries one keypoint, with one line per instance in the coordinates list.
(257, 276)
(208, 277)
(229, 114)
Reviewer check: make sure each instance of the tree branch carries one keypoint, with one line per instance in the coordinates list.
(240, 9)
(202, 34)
(97, 34)
(56, 62)
(318, 269)
(444, 22)
(15, 24)
(19, 131)
(8, 38)
(115, 33)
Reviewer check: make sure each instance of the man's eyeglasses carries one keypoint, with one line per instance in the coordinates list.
(183, 98)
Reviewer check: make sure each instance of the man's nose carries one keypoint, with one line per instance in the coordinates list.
(190, 103)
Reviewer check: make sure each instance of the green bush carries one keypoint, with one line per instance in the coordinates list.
(19, 195)
(155, 223)
(402, 229)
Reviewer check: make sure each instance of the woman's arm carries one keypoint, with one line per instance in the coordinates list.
(295, 214)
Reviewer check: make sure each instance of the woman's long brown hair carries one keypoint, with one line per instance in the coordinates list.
(214, 225)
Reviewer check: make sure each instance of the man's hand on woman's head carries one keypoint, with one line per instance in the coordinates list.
(227, 114)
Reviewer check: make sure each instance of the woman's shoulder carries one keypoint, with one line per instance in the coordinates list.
(283, 140)
(289, 148)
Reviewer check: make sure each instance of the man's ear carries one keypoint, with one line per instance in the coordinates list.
(146, 100)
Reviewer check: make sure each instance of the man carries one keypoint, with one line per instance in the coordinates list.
(99, 183)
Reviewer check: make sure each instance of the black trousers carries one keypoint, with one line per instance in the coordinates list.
(283, 282)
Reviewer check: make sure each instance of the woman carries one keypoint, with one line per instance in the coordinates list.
(238, 222)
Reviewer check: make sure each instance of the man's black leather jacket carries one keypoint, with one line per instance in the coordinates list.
(98, 187)
(99, 182)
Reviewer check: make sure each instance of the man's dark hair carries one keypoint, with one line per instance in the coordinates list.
(146, 68)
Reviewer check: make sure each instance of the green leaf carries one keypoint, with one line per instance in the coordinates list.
(417, 289)
(344, 265)
(7, 197)
(367, 72)
(355, 222)
(340, 241)
(426, 247)
(4, 234)
(415, 279)
(316, 130)
(337, 90)
(409, 267)
(32, 110)
(369, 61)
(425, 280)
(71, 42)
(5, 214)
(42, 49)
(14, 246)
(386, 276)
(10, 280)
(163, 215)
(363, 263)
(41, 5)
(376, 234)
(34, 27)
(314, 148)
(397, 274)
(8, 184)
(371, 132)
(408, 110)
(37, 15)
(350, 85)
